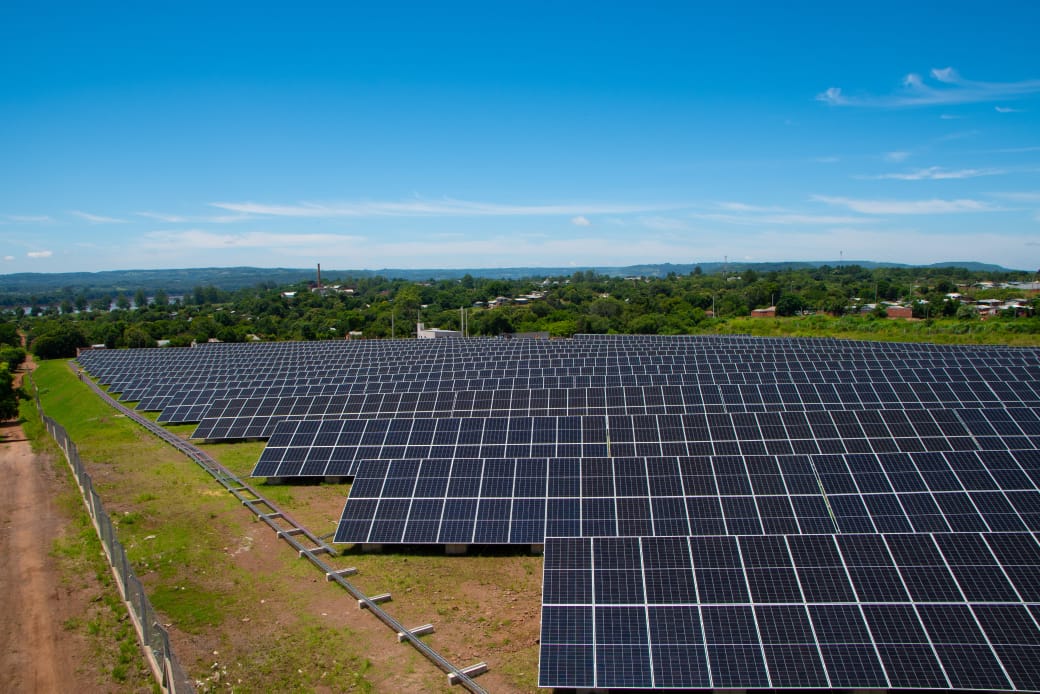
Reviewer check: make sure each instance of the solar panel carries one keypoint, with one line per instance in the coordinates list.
(779, 611)
(717, 511)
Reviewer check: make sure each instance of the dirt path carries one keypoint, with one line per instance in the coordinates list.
(36, 653)
(32, 606)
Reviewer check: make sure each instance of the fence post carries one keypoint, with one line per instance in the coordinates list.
(154, 638)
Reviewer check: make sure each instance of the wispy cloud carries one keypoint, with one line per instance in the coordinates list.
(896, 156)
(29, 218)
(96, 218)
(1008, 109)
(40, 254)
(208, 219)
(950, 116)
(1020, 196)
(826, 160)
(756, 215)
(444, 207)
(944, 87)
(8, 258)
(934, 173)
(159, 217)
(199, 239)
(745, 207)
(935, 206)
(789, 218)
(581, 221)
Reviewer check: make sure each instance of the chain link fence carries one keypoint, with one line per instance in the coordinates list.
(154, 637)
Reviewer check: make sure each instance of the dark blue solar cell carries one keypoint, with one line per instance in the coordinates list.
(971, 666)
(566, 665)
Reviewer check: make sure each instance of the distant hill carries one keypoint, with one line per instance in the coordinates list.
(178, 281)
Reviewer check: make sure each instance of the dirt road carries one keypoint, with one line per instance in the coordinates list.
(33, 657)
(37, 654)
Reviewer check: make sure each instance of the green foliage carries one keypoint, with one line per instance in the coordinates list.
(582, 302)
(9, 334)
(12, 356)
(9, 395)
(789, 305)
(60, 343)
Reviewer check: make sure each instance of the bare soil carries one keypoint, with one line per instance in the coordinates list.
(37, 652)
(484, 607)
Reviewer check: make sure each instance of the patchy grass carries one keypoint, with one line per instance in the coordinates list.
(230, 591)
(179, 529)
(1016, 332)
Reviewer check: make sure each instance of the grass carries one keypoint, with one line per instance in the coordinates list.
(186, 537)
(81, 565)
(176, 525)
(1016, 332)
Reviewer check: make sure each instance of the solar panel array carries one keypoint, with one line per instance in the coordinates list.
(920, 611)
(726, 512)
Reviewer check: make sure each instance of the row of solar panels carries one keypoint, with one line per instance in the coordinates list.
(334, 447)
(913, 611)
(135, 388)
(790, 548)
(258, 416)
(522, 501)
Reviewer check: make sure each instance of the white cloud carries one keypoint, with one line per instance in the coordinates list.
(907, 206)
(8, 258)
(198, 239)
(40, 254)
(158, 216)
(950, 116)
(949, 88)
(754, 215)
(29, 219)
(896, 156)
(1008, 109)
(787, 218)
(1020, 196)
(581, 221)
(826, 160)
(96, 218)
(418, 207)
(934, 173)
(744, 207)
(210, 219)
(832, 96)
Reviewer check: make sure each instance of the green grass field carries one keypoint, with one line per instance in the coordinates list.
(196, 550)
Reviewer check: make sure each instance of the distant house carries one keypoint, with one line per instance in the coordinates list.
(899, 311)
(769, 312)
(424, 333)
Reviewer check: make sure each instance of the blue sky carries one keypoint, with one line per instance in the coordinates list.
(148, 135)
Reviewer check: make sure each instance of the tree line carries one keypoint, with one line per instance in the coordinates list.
(583, 302)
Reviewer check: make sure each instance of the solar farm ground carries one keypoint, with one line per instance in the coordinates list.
(245, 613)
(676, 483)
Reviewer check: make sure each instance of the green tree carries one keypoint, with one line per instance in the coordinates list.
(967, 312)
(61, 343)
(135, 336)
(140, 299)
(789, 305)
(9, 397)
(9, 335)
(12, 356)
